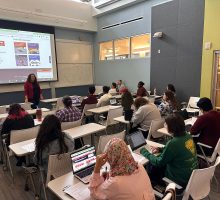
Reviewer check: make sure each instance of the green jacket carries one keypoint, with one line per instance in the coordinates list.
(178, 157)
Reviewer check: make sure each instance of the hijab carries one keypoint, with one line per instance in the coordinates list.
(120, 159)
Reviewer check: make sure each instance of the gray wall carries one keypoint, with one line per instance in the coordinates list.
(68, 34)
(180, 57)
(130, 70)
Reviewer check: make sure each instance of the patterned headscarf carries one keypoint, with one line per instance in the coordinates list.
(120, 159)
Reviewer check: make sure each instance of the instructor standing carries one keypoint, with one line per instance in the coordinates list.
(32, 91)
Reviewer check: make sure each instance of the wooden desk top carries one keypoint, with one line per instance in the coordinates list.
(122, 120)
(87, 129)
(23, 148)
(102, 109)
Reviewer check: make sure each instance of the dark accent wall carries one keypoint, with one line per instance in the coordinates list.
(180, 57)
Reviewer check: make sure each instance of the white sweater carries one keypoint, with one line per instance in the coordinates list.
(145, 114)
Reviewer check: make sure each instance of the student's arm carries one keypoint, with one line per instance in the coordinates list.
(138, 117)
(198, 126)
(6, 127)
(167, 155)
(100, 102)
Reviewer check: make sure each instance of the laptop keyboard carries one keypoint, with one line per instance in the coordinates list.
(85, 172)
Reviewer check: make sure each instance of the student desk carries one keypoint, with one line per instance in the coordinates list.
(189, 121)
(87, 129)
(37, 122)
(23, 148)
(31, 112)
(57, 185)
(102, 109)
(123, 121)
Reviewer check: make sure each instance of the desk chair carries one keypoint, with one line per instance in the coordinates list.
(154, 126)
(68, 125)
(210, 159)
(85, 113)
(3, 110)
(104, 139)
(112, 113)
(59, 104)
(199, 184)
(15, 137)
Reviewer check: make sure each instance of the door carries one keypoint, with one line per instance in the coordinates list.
(216, 80)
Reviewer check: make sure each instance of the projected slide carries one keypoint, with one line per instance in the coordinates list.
(23, 52)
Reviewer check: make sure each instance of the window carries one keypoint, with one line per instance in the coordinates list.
(132, 47)
(106, 51)
(140, 46)
(122, 48)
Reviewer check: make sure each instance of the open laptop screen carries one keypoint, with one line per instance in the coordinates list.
(113, 101)
(136, 140)
(83, 159)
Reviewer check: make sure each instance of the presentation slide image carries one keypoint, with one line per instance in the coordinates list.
(33, 48)
(34, 60)
(21, 60)
(20, 47)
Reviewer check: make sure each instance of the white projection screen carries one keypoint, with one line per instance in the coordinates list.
(26, 52)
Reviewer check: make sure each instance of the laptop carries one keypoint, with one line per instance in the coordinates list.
(113, 101)
(137, 141)
(83, 163)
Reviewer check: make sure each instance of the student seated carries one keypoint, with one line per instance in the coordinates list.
(91, 98)
(168, 104)
(69, 113)
(105, 98)
(17, 119)
(51, 140)
(142, 92)
(207, 125)
(177, 159)
(126, 99)
(170, 87)
(113, 90)
(126, 180)
(145, 113)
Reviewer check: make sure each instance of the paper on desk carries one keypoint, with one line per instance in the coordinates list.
(29, 147)
(78, 191)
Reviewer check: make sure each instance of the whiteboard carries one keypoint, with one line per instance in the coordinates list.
(73, 52)
(74, 75)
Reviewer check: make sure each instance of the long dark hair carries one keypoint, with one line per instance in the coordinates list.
(172, 99)
(175, 125)
(15, 109)
(171, 88)
(29, 79)
(49, 131)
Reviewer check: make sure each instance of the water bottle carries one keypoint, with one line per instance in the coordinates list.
(155, 91)
(39, 114)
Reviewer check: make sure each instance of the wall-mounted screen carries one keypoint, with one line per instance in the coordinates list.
(25, 52)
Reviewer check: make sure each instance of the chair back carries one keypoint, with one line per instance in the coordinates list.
(87, 107)
(216, 151)
(68, 125)
(113, 113)
(155, 125)
(59, 104)
(26, 106)
(58, 165)
(103, 140)
(24, 134)
(193, 102)
(3, 110)
(199, 183)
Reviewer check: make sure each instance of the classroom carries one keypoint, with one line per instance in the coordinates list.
(96, 95)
